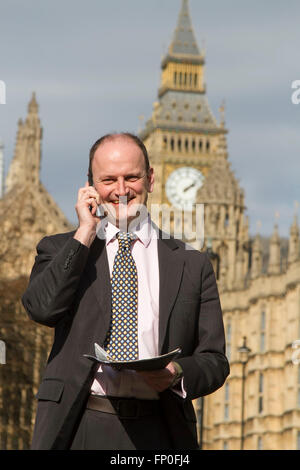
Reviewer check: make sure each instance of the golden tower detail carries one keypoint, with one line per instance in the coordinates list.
(182, 135)
(188, 150)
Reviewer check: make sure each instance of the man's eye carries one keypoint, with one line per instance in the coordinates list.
(107, 181)
(132, 179)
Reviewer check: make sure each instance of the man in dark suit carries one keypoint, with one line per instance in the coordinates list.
(71, 288)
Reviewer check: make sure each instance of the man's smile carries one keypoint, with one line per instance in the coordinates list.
(123, 200)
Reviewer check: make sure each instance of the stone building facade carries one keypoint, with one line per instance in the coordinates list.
(258, 278)
(27, 214)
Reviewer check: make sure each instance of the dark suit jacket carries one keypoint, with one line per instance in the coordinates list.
(69, 289)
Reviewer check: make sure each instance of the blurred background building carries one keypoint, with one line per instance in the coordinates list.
(258, 277)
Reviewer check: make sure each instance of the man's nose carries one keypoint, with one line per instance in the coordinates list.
(122, 188)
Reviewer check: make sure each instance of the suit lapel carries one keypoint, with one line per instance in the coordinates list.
(97, 269)
(170, 274)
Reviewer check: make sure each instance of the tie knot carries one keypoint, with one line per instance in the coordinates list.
(125, 239)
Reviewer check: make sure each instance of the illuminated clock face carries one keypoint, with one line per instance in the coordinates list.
(182, 186)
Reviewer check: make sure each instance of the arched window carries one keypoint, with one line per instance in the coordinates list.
(180, 78)
(165, 142)
(179, 144)
(193, 145)
(3, 440)
(16, 408)
(200, 145)
(28, 406)
(15, 442)
(228, 340)
(260, 393)
(175, 78)
(262, 331)
(226, 402)
(207, 146)
(298, 440)
(226, 221)
(185, 78)
(186, 145)
(172, 144)
(259, 443)
(195, 79)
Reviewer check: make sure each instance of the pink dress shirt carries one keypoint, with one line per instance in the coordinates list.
(128, 383)
(144, 251)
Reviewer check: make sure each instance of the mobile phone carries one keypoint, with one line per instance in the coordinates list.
(91, 183)
(100, 212)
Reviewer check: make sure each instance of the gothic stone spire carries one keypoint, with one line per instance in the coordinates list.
(184, 41)
(25, 165)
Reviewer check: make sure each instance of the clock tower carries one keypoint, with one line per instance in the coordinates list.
(188, 151)
(182, 135)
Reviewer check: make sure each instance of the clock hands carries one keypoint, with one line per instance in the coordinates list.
(189, 187)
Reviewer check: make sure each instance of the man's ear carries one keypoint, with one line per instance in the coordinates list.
(90, 177)
(151, 178)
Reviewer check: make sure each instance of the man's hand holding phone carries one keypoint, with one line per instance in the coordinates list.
(86, 207)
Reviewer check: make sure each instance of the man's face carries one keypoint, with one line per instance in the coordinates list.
(119, 175)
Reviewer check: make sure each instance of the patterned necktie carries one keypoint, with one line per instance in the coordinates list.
(122, 339)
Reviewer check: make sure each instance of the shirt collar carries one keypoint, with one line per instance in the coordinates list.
(144, 231)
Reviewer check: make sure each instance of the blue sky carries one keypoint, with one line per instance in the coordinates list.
(95, 67)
